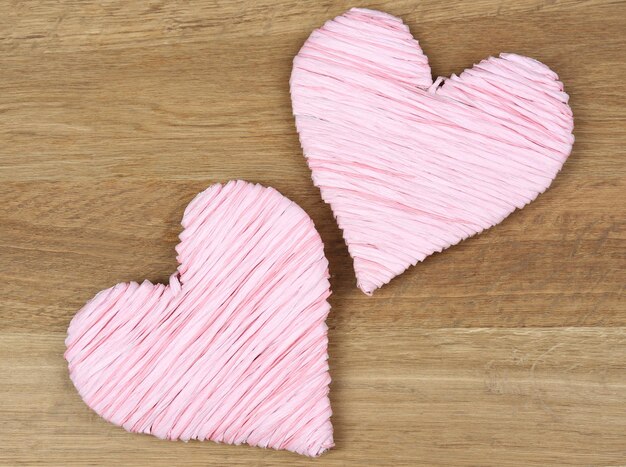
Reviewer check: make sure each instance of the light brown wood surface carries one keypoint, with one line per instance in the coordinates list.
(509, 349)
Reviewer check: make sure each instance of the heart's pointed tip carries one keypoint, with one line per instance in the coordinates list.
(320, 446)
(365, 285)
(323, 448)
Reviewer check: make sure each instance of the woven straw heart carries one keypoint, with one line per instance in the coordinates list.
(409, 166)
(234, 349)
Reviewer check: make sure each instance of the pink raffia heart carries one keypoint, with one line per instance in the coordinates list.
(234, 349)
(410, 166)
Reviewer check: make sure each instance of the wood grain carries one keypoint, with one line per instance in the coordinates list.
(509, 349)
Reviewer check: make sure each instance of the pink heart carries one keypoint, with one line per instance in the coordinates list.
(410, 167)
(234, 349)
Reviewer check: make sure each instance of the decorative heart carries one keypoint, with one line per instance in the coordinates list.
(234, 349)
(409, 166)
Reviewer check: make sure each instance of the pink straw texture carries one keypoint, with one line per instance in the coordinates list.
(408, 166)
(234, 349)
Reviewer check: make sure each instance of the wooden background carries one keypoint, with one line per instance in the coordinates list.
(509, 349)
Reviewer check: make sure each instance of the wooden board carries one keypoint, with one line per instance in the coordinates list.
(509, 349)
